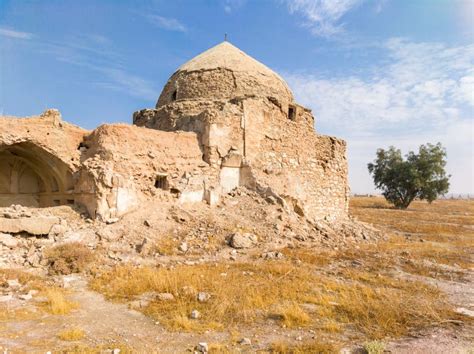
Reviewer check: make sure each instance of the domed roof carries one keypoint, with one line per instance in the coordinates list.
(224, 71)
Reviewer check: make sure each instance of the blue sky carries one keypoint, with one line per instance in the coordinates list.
(375, 72)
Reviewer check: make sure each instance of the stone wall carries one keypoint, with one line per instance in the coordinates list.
(123, 165)
(38, 158)
(278, 149)
(307, 169)
(45, 161)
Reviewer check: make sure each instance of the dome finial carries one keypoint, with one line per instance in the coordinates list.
(225, 37)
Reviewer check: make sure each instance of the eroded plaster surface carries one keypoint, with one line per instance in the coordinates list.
(223, 120)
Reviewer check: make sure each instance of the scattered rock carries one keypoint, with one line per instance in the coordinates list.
(203, 297)
(13, 283)
(242, 240)
(165, 297)
(139, 304)
(84, 236)
(143, 246)
(245, 341)
(25, 297)
(202, 347)
(58, 229)
(188, 290)
(465, 312)
(5, 298)
(38, 225)
(33, 259)
(273, 255)
(8, 240)
(183, 247)
(195, 314)
(109, 234)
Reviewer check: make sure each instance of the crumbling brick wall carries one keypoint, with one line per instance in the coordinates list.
(122, 165)
(306, 169)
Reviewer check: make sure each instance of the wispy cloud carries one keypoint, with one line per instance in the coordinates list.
(421, 85)
(420, 92)
(96, 53)
(379, 5)
(123, 81)
(10, 33)
(167, 23)
(322, 17)
(232, 5)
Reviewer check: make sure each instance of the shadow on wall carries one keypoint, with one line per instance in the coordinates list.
(31, 176)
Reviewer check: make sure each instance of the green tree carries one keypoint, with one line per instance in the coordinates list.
(420, 175)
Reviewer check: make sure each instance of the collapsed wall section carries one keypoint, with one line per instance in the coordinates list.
(257, 142)
(307, 169)
(38, 159)
(122, 165)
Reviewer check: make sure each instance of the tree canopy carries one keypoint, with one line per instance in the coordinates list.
(419, 175)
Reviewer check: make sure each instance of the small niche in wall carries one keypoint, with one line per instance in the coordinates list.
(161, 182)
(291, 112)
(174, 95)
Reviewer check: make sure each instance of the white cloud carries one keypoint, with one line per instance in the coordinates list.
(379, 5)
(322, 16)
(423, 84)
(423, 93)
(121, 80)
(465, 90)
(232, 5)
(167, 23)
(10, 33)
(95, 53)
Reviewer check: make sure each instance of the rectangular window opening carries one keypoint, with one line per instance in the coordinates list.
(291, 113)
(161, 182)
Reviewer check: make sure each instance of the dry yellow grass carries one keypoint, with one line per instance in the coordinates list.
(230, 302)
(217, 348)
(68, 258)
(71, 335)
(368, 297)
(305, 348)
(452, 217)
(57, 303)
(166, 246)
(29, 280)
(250, 292)
(374, 347)
(292, 315)
(8, 314)
(439, 233)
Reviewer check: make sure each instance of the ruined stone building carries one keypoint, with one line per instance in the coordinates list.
(223, 120)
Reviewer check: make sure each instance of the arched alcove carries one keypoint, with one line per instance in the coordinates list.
(31, 176)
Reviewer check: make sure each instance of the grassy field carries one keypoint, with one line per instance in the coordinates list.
(364, 292)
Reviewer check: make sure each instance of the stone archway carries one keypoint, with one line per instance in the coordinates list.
(33, 177)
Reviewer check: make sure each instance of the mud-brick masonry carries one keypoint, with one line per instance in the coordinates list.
(223, 120)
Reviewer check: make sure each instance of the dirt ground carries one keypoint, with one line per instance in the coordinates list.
(424, 264)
